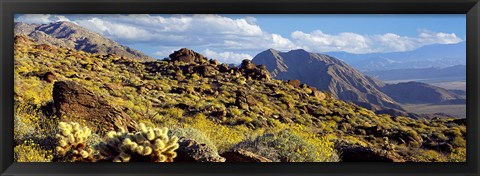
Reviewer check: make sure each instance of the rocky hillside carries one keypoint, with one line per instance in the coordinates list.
(328, 74)
(424, 93)
(213, 112)
(70, 35)
(332, 75)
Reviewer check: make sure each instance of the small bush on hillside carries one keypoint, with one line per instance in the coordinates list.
(284, 146)
(29, 151)
(192, 133)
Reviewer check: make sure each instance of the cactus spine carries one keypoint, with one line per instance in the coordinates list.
(148, 144)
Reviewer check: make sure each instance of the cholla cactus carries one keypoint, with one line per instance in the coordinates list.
(148, 144)
(72, 142)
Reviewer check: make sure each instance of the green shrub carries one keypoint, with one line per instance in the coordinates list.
(192, 133)
(31, 152)
(284, 146)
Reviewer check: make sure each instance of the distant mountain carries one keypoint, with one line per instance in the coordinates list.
(346, 83)
(70, 35)
(326, 73)
(437, 55)
(455, 72)
(420, 93)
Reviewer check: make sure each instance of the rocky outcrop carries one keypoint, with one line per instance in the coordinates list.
(206, 70)
(187, 56)
(73, 102)
(49, 77)
(243, 100)
(241, 155)
(192, 151)
(257, 72)
(365, 154)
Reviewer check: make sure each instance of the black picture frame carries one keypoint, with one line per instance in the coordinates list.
(11, 7)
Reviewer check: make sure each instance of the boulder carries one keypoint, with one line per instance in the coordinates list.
(73, 102)
(223, 68)
(205, 70)
(49, 77)
(247, 65)
(243, 100)
(295, 83)
(192, 151)
(253, 71)
(187, 56)
(213, 62)
(365, 154)
(240, 155)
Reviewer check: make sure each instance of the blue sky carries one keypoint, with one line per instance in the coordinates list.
(232, 38)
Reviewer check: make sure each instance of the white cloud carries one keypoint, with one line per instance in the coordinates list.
(117, 31)
(226, 57)
(40, 18)
(186, 31)
(317, 41)
(242, 35)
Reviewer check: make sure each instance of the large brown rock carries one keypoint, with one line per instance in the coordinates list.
(49, 77)
(241, 155)
(192, 151)
(73, 102)
(257, 72)
(365, 154)
(295, 83)
(223, 68)
(187, 56)
(206, 70)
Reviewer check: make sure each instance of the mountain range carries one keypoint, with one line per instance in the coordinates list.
(457, 72)
(326, 73)
(436, 55)
(346, 83)
(69, 35)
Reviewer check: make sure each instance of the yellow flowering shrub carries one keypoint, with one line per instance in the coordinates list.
(29, 151)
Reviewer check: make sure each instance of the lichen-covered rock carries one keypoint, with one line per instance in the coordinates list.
(73, 102)
(240, 155)
(192, 151)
